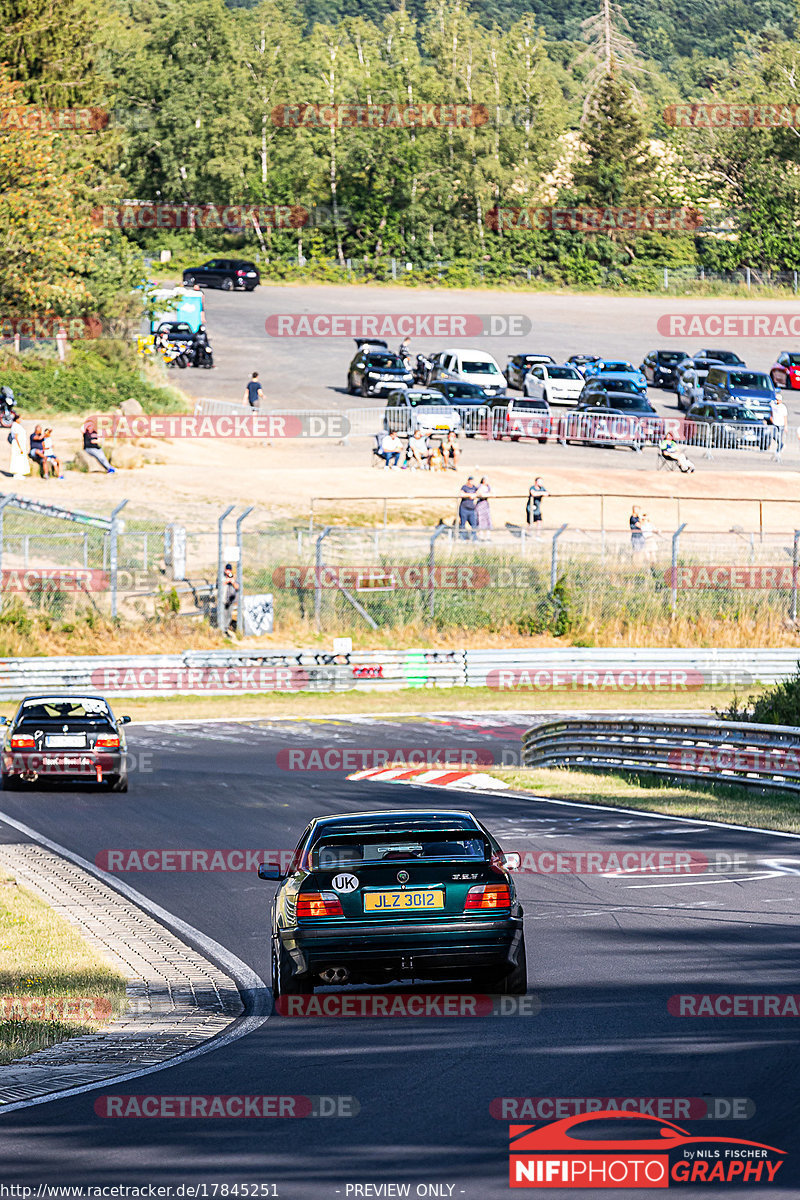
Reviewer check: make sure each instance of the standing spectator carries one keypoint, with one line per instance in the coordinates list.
(405, 351)
(231, 590)
(648, 535)
(61, 342)
(482, 509)
(533, 508)
(91, 445)
(253, 393)
(50, 454)
(36, 452)
(19, 465)
(637, 541)
(778, 419)
(391, 449)
(467, 517)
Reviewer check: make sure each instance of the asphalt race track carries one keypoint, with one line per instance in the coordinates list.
(604, 955)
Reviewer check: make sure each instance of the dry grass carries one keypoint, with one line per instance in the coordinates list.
(767, 808)
(43, 957)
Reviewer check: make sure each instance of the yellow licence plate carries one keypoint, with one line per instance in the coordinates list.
(417, 900)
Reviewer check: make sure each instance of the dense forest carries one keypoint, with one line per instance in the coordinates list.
(564, 109)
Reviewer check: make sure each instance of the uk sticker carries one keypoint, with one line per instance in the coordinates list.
(344, 883)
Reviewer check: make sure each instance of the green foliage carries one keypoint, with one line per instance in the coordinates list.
(777, 705)
(97, 378)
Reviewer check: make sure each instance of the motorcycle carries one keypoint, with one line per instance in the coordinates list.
(202, 354)
(8, 413)
(422, 369)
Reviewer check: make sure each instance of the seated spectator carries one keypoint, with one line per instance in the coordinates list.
(670, 449)
(451, 451)
(92, 446)
(36, 452)
(50, 454)
(391, 449)
(419, 451)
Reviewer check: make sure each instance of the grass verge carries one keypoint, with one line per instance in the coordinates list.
(42, 958)
(409, 702)
(767, 808)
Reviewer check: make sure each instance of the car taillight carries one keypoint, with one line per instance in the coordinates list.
(319, 904)
(241, 272)
(21, 742)
(108, 740)
(488, 895)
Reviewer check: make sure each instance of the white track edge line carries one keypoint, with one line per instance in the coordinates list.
(243, 975)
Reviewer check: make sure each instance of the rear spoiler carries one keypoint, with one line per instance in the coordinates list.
(370, 342)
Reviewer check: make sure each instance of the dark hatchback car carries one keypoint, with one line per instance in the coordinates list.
(728, 357)
(462, 394)
(615, 418)
(727, 425)
(230, 274)
(518, 366)
(376, 371)
(581, 361)
(64, 738)
(660, 367)
(375, 897)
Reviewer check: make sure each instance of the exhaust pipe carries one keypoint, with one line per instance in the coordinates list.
(334, 975)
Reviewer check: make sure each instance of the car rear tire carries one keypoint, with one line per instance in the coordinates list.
(364, 390)
(227, 284)
(11, 783)
(284, 983)
(120, 784)
(351, 391)
(515, 983)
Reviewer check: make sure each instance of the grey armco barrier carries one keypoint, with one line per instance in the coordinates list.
(722, 751)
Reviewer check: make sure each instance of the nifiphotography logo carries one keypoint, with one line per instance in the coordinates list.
(613, 1149)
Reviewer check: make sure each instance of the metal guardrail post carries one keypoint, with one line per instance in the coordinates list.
(318, 575)
(676, 537)
(432, 568)
(113, 538)
(240, 570)
(795, 564)
(554, 558)
(221, 567)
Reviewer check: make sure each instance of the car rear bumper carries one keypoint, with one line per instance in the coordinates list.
(404, 949)
(91, 766)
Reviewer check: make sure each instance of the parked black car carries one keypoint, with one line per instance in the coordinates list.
(616, 418)
(376, 372)
(518, 366)
(730, 426)
(460, 393)
(721, 356)
(230, 274)
(660, 367)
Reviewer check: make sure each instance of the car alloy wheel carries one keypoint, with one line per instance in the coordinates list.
(227, 284)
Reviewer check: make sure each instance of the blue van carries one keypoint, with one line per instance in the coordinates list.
(739, 385)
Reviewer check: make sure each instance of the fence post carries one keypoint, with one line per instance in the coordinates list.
(318, 575)
(673, 604)
(554, 558)
(432, 568)
(666, 278)
(240, 572)
(114, 535)
(747, 271)
(794, 282)
(795, 563)
(3, 502)
(221, 567)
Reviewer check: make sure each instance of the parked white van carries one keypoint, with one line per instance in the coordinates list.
(471, 366)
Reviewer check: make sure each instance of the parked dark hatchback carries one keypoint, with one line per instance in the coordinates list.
(58, 737)
(660, 367)
(374, 897)
(377, 372)
(518, 366)
(727, 425)
(230, 274)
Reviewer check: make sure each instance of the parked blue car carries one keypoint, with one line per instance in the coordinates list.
(620, 370)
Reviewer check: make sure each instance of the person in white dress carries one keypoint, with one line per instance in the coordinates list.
(19, 465)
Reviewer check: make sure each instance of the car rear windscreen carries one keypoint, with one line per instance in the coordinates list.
(334, 852)
(670, 357)
(65, 710)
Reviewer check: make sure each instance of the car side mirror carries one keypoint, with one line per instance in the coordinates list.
(4, 721)
(265, 871)
(512, 862)
(125, 720)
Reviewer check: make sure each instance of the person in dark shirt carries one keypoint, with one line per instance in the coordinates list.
(36, 452)
(253, 393)
(231, 590)
(467, 511)
(637, 536)
(92, 446)
(533, 508)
